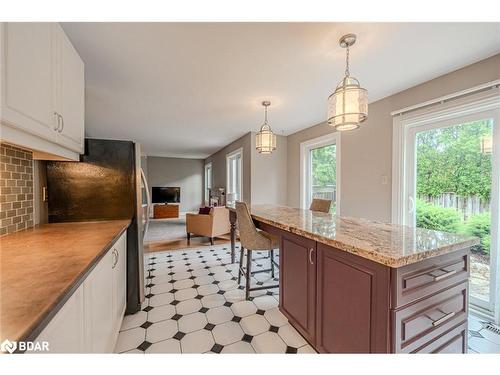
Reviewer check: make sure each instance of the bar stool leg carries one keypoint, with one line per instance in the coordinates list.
(248, 274)
(272, 262)
(240, 268)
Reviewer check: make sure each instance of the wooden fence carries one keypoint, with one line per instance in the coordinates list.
(325, 192)
(468, 206)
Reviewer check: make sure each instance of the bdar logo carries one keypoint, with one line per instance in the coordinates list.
(8, 346)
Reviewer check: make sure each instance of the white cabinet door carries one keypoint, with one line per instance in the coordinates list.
(98, 291)
(27, 99)
(71, 93)
(65, 333)
(120, 280)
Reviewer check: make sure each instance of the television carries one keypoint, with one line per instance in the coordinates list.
(166, 194)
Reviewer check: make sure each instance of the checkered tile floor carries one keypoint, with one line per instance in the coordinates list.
(194, 305)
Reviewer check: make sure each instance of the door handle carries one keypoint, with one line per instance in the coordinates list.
(310, 255)
(411, 207)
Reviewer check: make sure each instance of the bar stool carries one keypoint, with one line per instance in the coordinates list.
(320, 205)
(253, 240)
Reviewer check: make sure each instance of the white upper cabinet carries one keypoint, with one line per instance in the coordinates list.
(70, 93)
(42, 89)
(28, 78)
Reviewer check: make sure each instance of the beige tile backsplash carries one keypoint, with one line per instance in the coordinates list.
(16, 189)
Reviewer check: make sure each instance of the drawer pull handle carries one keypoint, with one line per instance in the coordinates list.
(444, 275)
(443, 319)
(310, 255)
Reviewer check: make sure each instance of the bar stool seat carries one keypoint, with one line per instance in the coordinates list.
(321, 205)
(253, 239)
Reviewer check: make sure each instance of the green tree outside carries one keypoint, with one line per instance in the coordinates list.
(324, 166)
(450, 160)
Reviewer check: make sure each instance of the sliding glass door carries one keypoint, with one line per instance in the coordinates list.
(452, 178)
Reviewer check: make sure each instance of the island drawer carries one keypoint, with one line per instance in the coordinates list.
(419, 280)
(452, 342)
(421, 322)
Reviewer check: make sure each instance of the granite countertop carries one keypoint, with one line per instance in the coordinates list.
(389, 244)
(42, 266)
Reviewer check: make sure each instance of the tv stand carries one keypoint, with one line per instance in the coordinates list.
(166, 211)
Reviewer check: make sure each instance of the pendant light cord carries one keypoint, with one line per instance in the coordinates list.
(347, 62)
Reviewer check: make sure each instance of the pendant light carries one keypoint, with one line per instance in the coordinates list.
(265, 140)
(348, 105)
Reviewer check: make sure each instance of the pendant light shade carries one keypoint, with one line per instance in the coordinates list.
(265, 140)
(348, 105)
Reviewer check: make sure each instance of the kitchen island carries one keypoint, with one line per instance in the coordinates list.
(358, 286)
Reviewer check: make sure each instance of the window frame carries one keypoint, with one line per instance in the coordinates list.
(306, 147)
(229, 158)
(208, 182)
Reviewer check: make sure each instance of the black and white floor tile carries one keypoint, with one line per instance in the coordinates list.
(195, 305)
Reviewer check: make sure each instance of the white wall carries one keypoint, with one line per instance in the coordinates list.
(269, 174)
(218, 161)
(367, 152)
(186, 173)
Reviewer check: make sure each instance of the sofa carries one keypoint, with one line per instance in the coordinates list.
(213, 224)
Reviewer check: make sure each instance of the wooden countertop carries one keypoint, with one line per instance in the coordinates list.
(41, 267)
(389, 244)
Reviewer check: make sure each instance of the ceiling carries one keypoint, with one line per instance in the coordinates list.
(188, 89)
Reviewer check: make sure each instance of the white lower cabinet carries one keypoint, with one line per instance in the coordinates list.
(91, 318)
(119, 283)
(98, 294)
(66, 331)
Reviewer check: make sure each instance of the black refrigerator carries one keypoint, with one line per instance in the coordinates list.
(107, 184)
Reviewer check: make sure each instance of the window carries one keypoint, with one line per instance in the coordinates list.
(234, 176)
(320, 170)
(208, 182)
(446, 177)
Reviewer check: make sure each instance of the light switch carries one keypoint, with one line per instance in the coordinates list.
(384, 180)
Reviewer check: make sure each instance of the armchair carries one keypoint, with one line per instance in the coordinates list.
(216, 223)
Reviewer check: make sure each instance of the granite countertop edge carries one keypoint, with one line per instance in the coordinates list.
(372, 254)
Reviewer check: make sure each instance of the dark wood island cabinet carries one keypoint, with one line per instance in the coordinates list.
(356, 286)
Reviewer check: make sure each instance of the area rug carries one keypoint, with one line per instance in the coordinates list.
(166, 229)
